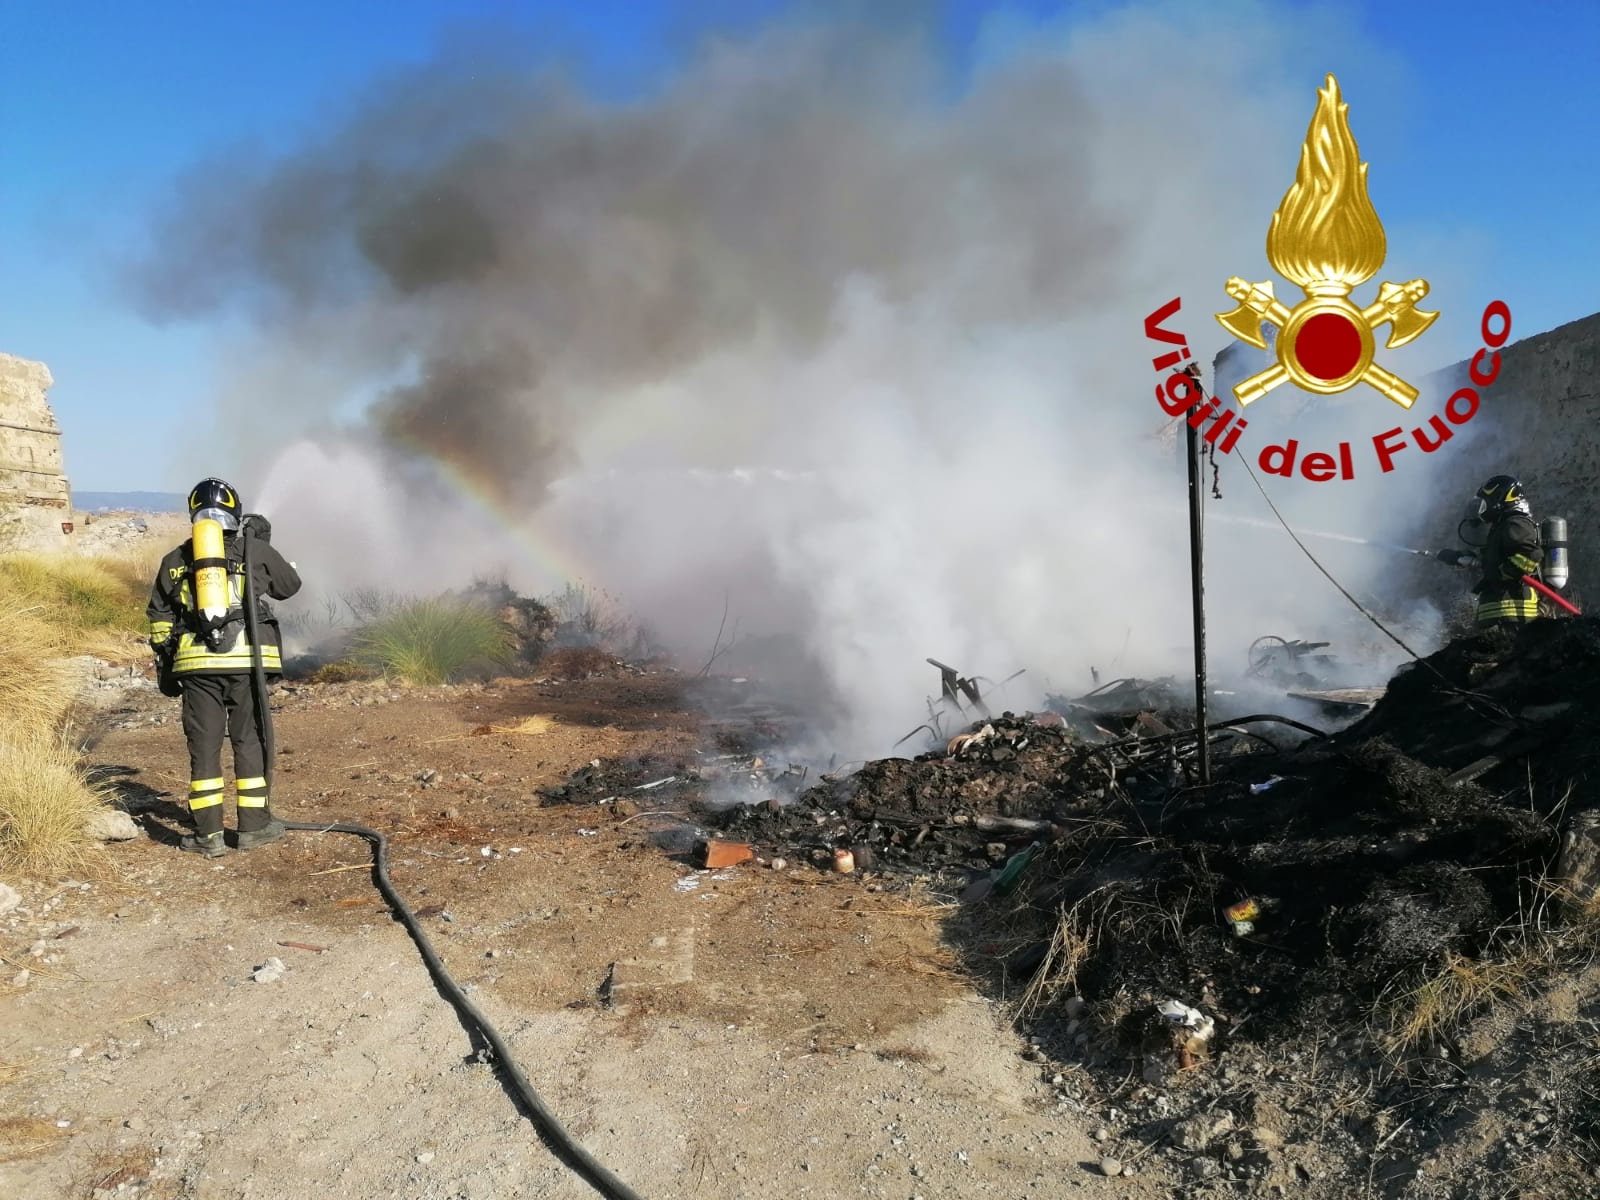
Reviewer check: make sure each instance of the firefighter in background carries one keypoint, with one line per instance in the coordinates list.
(199, 634)
(1510, 551)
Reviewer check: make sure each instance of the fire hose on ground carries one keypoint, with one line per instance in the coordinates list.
(550, 1129)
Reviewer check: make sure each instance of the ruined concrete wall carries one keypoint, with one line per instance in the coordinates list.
(1540, 421)
(35, 497)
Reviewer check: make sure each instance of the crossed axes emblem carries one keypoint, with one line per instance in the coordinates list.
(1329, 331)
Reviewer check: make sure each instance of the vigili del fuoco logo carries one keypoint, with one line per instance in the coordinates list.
(1327, 240)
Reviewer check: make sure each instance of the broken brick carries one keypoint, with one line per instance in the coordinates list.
(713, 854)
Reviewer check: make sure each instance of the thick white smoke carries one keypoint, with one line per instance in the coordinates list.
(912, 319)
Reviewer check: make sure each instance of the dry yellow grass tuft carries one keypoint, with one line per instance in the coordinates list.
(1077, 930)
(45, 801)
(53, 606)
(134, 569)
(36, 686)
(1459, 989)
(343, 671)
(82, 595)
(126, 1169)
(21, 1137)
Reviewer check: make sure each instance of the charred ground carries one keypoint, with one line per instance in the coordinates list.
(1411, 1012)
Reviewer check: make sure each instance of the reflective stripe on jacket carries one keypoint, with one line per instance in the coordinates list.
(1511, 551)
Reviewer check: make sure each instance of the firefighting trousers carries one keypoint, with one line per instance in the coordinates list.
(214, 705)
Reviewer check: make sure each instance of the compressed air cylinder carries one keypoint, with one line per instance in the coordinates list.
(1553, 535)
(211, 580)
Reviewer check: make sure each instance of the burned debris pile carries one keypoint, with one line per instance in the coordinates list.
(960, 808)
(1501, 706)
(530, 624)
(706, 781)
(987, 794)
(603, 781)
(1312, 874)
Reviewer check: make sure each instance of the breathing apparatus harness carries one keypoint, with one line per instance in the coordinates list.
(1555, 567)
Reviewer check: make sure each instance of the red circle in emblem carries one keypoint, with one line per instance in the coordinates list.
(1328, 346)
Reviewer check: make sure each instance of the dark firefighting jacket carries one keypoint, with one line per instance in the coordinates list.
(177, 628)
(1511, 552)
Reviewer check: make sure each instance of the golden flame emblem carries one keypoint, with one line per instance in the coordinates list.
(1327, 239)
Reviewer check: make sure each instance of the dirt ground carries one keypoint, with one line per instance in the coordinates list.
(764, 1033)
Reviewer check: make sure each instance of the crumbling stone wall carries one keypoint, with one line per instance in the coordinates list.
(35, 497)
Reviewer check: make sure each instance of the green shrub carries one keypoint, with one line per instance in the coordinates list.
(428, 641)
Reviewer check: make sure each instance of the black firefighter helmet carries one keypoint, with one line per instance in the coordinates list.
(216, 499)
(1501, 495)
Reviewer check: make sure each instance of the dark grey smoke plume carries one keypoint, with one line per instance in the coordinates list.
(809, 325)
(527, 252)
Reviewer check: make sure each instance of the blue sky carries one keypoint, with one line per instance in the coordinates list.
(111, 100)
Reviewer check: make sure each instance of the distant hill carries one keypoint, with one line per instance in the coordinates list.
(151, 502)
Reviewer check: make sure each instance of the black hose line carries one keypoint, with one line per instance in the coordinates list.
(560, 1142)
(550, 1130)
(544, 1121)
(1214, 727)
(257, 671)
(1269, 718)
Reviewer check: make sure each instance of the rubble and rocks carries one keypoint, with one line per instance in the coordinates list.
(1578, 870)
(111, 825)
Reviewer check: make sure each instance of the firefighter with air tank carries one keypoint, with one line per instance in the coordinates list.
(1512, 547)
(200, 632)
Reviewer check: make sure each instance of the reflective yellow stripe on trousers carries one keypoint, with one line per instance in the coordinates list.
(252, 792)
(205, 793)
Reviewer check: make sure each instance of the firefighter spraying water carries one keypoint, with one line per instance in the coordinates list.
(1518, 560)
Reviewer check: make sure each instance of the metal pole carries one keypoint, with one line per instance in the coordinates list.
(1198, 587)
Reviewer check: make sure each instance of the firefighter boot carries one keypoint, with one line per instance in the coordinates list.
(205, 807)
(209, 844)
(256, 825)
(249, 839)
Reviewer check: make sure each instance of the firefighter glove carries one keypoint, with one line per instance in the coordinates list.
(166, 682)
(1457, 558)
(258, 527)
